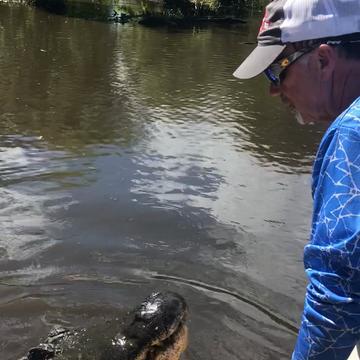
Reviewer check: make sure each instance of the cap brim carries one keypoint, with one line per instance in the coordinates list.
(258, 61)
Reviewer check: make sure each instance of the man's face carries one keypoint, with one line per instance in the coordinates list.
(301, 89)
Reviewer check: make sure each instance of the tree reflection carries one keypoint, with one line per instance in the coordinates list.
(186, 75)
(57, 80)
(77, 83)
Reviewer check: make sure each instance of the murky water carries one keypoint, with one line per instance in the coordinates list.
(130, 161)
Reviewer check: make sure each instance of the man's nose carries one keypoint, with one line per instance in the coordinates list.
(274, 90)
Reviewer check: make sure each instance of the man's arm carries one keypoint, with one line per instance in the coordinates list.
(330, 325)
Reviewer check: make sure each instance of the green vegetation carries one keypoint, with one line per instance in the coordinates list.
(123, 11)
(196, 8)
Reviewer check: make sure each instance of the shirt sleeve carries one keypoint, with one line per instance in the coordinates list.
(330, 325)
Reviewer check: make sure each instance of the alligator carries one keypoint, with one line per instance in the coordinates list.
(155, 330)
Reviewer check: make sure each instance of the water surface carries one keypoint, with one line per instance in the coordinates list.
(130, 161)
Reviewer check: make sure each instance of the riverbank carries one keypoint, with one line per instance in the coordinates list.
(152, 13)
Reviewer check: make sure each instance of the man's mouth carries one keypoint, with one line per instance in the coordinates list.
(287, 103)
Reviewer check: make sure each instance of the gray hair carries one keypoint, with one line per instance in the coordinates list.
(347, 45)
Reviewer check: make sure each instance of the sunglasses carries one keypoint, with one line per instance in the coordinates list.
(275, 72)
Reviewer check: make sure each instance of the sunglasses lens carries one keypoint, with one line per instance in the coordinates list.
(272, 77)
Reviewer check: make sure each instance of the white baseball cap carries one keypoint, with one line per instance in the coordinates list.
(289, 21)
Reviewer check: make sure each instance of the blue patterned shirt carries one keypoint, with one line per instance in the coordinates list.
(330, 325)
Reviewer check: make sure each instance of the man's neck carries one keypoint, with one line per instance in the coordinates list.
(346, 87)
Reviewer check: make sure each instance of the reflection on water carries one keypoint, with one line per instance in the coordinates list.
(131, 160)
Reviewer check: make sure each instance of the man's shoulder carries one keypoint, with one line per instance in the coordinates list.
(349, 120)
(341, 140)
(345, 127)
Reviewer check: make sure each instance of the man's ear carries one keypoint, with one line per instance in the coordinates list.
(327, 57)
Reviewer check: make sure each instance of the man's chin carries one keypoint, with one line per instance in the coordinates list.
(301, 120)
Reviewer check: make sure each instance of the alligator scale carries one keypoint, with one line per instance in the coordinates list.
(156, 330)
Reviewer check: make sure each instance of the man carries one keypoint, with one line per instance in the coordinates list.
(310, 52)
